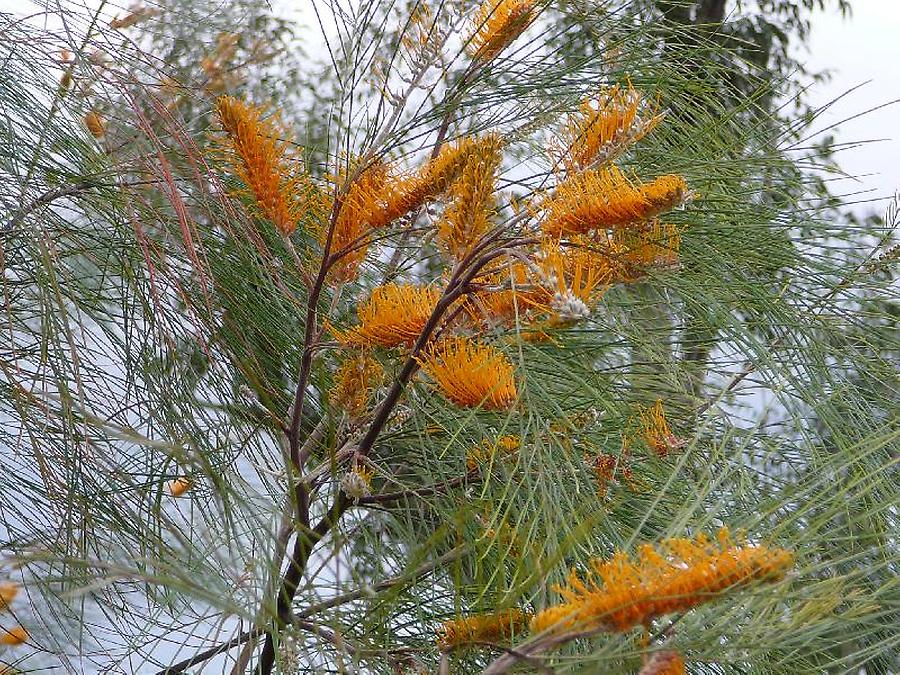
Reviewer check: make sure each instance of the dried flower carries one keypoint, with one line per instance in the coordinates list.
(489, 627)
(471, 374)
(664, 663)
(14, 636)
(8, 593)
(136, 14)
(605, 468)
(485, 452)
(393, 315)
(607, 199)
(95, 124)
(179, 486)
(655, 430)
(675, 576)
(496, 24)
(354, 382)
(468, 217)
(605, 126)
(357, 483)
(260, 158)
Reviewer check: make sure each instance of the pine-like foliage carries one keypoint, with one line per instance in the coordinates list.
(456, 361)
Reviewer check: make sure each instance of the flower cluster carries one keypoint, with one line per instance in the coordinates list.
(471, 374)
(394, 315)
(490, 627)
(497, 23)
(675, 576)
(15, 635)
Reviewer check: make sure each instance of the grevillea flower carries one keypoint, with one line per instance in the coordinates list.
(14, 636)
(260, 158)
(355, 380)
(606, 467)
(496, 24)
(179, 486)
(575, 277)
(471, 374)
(655, 430)
(95, 124)
(607, 199)
(507, 295)
(664, 663)
(442, 171)
(362, 210)
(605, 126)
(468, 217)
(357, 483)
(8, 593)
(393, 315)
(484, 453)
(634, 251)
(490, 627)
(675, 576)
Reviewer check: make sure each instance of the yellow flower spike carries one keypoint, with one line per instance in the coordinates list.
(12, 637)
(496, 24)
(441, 172)
(605, 126)
(483, 453)
(256, 153)
(362, 210)
(8, 593)
(394, 315)
(488, 627)
(656, 432)
(179, 486)
(471, 374)
(607, 199)
(674, 576)
(468, 217)
(355, 380)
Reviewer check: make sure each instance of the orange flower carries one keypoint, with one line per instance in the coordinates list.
(607, 199)
(14, 636)
(260, 158)
(508, 296)
(95, 124)
(468, 217)
(655, 430)
(471, 374)
(354, 382)
(484, 452)
(664, 663)
(605, 126)
(576, 278)
(496, 24)
(8, 593)
(361, 212)
(179, 486)
(675, 576)
(634, 251)
(489, 627)
(393, 315)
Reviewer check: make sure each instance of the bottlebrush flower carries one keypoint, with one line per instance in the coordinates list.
(489, 627)
(468, 217)
(605, 126)
(675, 576)
(257, 155)
(471, 374)
(393, 315)
(607, 199)
(354, 382)
(14, 636)
(496, 24)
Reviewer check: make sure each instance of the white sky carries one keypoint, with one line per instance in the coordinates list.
(864, 48)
